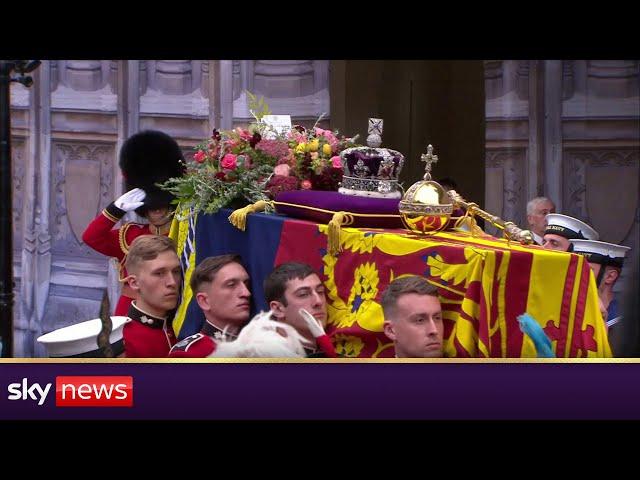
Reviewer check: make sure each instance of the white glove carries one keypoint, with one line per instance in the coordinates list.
(313, 324)
(131, 200)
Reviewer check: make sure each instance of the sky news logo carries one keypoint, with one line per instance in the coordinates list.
(78, 391)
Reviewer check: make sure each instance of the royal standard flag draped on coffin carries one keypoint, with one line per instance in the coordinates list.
(484, 284)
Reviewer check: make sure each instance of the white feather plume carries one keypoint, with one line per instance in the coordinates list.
(263, 337)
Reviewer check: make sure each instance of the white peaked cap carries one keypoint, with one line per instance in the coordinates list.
(569, 227)
(80, 338)
(600, 252)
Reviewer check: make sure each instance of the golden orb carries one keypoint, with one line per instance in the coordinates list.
(426, 207)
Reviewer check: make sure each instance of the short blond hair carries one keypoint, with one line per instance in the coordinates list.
(401, 286)
(145, 248)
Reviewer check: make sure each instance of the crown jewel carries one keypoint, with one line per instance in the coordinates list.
(372, 171)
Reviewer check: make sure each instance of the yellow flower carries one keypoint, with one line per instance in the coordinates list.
(326, 149)
(313, 145)
(301, 148)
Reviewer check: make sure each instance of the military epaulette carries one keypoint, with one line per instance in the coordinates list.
(122, 235)
(184, 344)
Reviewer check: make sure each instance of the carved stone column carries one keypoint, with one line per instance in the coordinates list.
(36, 245)
(226, 94)
(320, 75)
(522, 79)
(509, 75)
(42, 212)
(553, 131)
(204, 85)
(535, 153)
(568, 79)
(214, 95)
(493, 78)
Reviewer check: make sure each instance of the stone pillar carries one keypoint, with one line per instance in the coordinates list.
(226, 94)
(553, 131)
(320, 75)
(493, 78)
(214, 95)
(522, 79)
(246, 75)
(568, 79)
(535, 154)
(36, 245)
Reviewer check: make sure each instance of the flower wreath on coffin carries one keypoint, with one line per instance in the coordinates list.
(368, 196)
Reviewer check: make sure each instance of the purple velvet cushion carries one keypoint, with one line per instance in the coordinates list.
(337, 202)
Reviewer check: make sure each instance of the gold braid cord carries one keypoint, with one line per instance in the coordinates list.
(122, 237)
(339, 219)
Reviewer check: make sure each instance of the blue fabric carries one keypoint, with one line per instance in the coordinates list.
(531, 327)
(257, 246)
(612, 311)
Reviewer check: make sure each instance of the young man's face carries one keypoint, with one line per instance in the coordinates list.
(416, 328)
(226, 299)
(156, 283)
(158, 216)
(609, 276)
(307, 293)
(556, 242)
(538, 219)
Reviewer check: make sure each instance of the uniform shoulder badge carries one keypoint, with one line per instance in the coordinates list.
(184, 344)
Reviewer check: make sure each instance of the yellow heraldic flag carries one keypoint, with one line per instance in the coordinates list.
(484, 284)
(183, 232)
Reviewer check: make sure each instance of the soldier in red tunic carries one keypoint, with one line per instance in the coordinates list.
(220, 285)
(146, 158)
(154, 276)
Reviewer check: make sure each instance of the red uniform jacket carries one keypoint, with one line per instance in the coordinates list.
(200, 345)
(147, 336)
(203, 344)
(115, 242)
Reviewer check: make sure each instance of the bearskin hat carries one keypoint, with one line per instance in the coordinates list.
(149, 157)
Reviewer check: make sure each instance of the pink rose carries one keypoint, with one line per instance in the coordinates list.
(296, 136)
(244, 134)
(336, 162)
(305, 185)
(231, 144)
(200, 156)
(229, 161)
(282, 169)
(331, 138)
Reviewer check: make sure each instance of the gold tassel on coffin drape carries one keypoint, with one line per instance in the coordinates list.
(338, 220)
(238, 218)
(334, 226)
